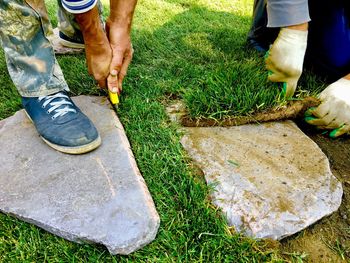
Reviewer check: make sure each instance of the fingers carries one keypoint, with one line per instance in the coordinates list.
(320, 116)
(323, 118)
(115, 67)
(340, 131)
(321, 122)
(274, 76)
(112, 81)
(325, 124)
(118, 68)
(102, 83)
(289, 88)
(321, 111)
(335, 124)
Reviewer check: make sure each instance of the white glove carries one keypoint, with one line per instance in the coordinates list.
(285, 58)
(334, 111)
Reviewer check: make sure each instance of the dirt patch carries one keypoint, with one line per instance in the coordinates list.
(329, 239)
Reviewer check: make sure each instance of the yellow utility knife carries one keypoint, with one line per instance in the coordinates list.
(113, 97)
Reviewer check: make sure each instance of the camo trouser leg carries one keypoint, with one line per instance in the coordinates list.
(31, 62)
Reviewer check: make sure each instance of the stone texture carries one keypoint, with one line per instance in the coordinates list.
(270, 180)
(98, 197)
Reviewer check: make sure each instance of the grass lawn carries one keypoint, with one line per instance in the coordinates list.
(194, 50)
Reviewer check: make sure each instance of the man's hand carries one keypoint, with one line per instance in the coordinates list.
(334, 111)
(97, 48)
(285, 59)
(118, 27)
(122, 52)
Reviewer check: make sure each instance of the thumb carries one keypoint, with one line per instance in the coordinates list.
(112, 82)
(289, 88)
(114, 69)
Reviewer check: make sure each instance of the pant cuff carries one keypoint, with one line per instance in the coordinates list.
(39, 93)
(282, 13)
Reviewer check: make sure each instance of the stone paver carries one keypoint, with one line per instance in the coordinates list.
(98, 197)
(270, 180)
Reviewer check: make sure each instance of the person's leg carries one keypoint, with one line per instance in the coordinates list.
(328, 51)
(24, 28)
(24, 31)
(260, 37)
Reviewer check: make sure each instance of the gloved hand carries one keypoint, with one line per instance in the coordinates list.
(334, 111)
(285, 58)
(97, 48)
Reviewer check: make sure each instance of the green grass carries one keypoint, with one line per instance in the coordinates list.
(193, 49)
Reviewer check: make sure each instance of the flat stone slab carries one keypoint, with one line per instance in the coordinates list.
(270, 180)
(98, 197)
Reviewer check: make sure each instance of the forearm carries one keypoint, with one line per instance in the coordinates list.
(122, 12)
(90, 25)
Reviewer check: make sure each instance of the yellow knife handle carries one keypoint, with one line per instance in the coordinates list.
(113, 97)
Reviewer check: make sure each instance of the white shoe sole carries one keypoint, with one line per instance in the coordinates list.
(77, 149)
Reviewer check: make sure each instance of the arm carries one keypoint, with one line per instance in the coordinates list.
(97, 49)
(122, 12)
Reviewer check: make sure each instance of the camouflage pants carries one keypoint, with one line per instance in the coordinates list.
(30, 58)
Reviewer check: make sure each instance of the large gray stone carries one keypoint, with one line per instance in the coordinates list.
(98, 197)
(270, 180)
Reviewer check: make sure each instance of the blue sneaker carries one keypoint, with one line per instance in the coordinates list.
(61, 124)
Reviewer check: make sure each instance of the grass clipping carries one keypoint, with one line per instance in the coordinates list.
(293, 110)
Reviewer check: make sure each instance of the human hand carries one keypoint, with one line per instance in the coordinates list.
(334, 111)
(98, 51)
(99, 57)
(122, 52)
(285, 59)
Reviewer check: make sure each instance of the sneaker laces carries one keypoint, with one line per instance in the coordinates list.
(56, 105)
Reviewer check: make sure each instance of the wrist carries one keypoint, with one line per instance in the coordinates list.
(296, 37)
(90, 25)
(300, 27)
